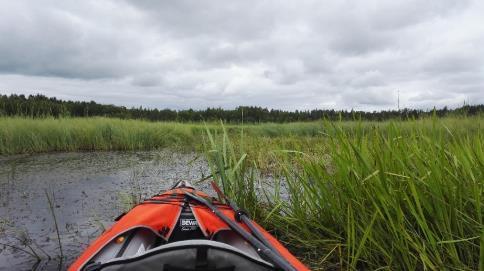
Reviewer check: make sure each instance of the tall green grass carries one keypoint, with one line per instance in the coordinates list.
(386, 196)
(28, 135)
(24, 135)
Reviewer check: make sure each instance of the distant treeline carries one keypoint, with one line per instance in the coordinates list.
(42, 106)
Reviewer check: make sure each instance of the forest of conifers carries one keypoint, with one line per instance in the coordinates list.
(42, 106)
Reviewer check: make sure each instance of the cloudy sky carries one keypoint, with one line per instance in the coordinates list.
(278, 54)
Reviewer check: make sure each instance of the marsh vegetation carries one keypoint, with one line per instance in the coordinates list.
(396, 195)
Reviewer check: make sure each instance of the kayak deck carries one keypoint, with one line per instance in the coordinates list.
(172, 231)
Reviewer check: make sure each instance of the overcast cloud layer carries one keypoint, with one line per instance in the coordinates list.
(277, 54)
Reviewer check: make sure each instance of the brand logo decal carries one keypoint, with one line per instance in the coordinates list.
(188, 224)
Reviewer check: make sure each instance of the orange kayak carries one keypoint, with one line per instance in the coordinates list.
(184, 229)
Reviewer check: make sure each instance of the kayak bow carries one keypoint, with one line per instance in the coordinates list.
(184, 229)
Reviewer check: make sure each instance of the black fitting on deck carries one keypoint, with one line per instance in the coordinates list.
(238, 215)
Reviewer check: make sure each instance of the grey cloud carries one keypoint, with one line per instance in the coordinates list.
(225, 20)
(454, 62)
(368, 79)
(49, 41)
(392, 15)
(279, 54)
(374, 96)
(359, 41)
(147, 80)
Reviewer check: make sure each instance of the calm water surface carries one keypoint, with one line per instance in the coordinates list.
(89, 190)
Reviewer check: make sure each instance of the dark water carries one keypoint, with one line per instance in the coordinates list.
(89, 190)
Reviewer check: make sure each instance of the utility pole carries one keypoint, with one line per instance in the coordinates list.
(398, 99)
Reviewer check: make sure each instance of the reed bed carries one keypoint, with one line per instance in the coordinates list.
(374, 196)
(26, 135)
(36, 135)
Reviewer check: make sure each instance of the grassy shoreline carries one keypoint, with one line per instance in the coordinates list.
(25, 135)
(20, 135)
